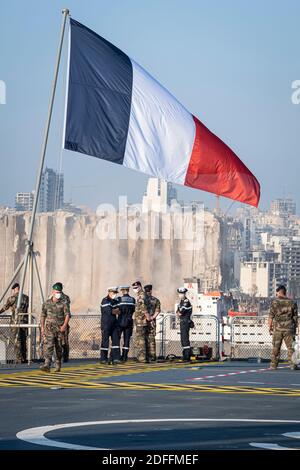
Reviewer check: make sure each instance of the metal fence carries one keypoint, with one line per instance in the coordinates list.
(85, 336)
(250, 337)
(7, 339)
(247, 337)
(204, 337)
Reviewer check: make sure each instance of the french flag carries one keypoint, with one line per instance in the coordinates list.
(116, 111)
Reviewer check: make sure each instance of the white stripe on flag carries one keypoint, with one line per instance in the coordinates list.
(161, 131)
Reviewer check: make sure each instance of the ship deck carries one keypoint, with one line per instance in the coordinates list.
(211, 405)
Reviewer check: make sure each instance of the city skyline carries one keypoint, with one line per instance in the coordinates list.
(240, 88)
(256, 250)
(57, 190)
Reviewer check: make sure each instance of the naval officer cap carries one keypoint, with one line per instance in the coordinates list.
(182, 290)
(113, 289)
(124, 287)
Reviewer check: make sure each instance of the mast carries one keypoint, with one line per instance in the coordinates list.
(29, 242)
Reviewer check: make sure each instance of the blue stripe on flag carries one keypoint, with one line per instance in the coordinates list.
(99, 96)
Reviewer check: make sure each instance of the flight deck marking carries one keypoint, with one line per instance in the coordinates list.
(84, 378)
(37, 435)
(230, 374)
(144, 386)
(85, 373)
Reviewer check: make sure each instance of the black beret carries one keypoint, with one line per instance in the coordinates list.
(281, 287)
(137, 284)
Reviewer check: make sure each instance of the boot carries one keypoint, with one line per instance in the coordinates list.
(186, 356)
(66, 353)
(45, 367)
(103, 358)
(57, 366)
(124, 355)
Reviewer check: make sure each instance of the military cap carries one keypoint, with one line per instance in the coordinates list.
(112, 289)
(182, 290)
(57, 286)
(137, 284)
(148, 287)
(15, 285)
(124, 287)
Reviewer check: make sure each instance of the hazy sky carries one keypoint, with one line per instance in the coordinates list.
(230, 62)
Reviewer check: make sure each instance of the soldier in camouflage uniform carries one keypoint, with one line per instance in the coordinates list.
(18, 335)
(283, 322)
(141, 316)
(54, 321)
(154, 310)
(65, 343)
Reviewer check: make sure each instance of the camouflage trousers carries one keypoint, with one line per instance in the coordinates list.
(65, 344)
(141, 343)
(150, 336)
(53, 340)
(145, 342)
(18, 337)
(279, 336)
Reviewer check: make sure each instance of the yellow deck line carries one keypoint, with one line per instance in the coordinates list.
(154, 387)
(96, 371)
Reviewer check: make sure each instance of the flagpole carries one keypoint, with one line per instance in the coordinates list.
(29, 243)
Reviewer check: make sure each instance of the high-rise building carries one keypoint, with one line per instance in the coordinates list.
(51, 195)
(291, 256)
(260, 278)
(158, 196)
(283, 207)
(24, 201)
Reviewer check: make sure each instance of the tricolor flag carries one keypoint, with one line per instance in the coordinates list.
(116, 111)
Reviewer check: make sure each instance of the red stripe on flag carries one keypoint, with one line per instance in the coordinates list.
(215, 168)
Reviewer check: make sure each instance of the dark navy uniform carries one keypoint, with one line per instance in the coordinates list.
(109, 329)
(185, 310)
(126, 305)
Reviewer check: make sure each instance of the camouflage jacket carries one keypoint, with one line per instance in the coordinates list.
(65, 298)
(55, 312)
(11, 304)
(284, 313)
(153, 305)
(141, 308)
